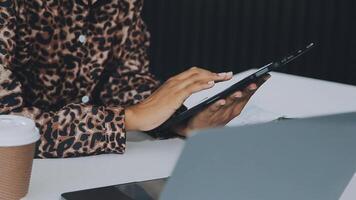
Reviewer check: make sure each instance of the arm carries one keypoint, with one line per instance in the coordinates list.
(75, 129)
(130, 84)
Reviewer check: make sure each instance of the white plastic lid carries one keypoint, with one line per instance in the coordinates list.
(17, 131)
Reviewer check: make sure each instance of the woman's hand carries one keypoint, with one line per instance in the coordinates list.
(163, 103)
(221, 112)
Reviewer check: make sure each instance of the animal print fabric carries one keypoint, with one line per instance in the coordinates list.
(73, 66)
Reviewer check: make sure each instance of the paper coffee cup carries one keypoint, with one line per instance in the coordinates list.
(18, 136)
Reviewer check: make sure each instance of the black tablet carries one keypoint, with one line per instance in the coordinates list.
(186, 112)
(147, 190)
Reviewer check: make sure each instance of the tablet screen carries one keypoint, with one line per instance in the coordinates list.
(199, 97)
(204, 95)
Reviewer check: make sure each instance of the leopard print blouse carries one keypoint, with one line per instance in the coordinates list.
(73, 66)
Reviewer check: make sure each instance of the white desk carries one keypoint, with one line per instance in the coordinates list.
(287, 95)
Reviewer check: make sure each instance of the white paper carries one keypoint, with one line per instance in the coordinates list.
(253, 114)
(350, 191)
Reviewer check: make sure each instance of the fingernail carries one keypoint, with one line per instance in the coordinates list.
(211, 83)
(253, 87)
(222, 74)
(229, 74)
(238, 94)
(222, 103)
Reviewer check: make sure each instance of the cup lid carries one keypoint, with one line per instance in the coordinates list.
(17, 131)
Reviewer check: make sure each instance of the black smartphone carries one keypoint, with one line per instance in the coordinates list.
(145, 190)
(184, 113)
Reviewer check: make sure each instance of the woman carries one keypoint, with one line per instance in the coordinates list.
(79, 69)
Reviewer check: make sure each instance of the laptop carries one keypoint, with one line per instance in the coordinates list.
(309, 159)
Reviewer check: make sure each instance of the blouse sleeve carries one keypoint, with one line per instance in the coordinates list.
(74, 130)
(131, 80)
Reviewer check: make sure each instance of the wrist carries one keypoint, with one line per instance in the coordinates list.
(129, 120)
(182, 130)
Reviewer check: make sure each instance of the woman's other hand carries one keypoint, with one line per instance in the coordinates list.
(221, 112)
(164, 102)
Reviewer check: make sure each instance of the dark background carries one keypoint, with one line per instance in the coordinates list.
(224, 35)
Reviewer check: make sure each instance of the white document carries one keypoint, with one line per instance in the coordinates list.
(350, 191)
(253, 114)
